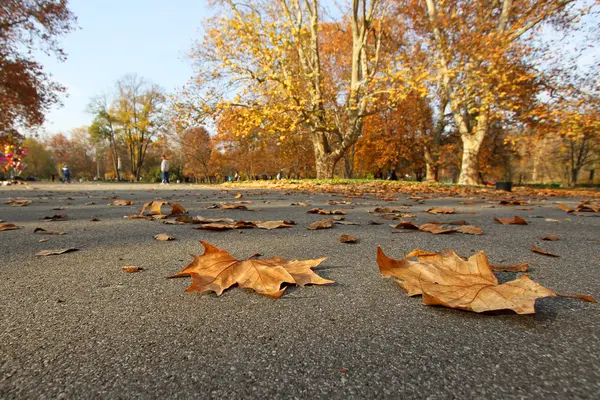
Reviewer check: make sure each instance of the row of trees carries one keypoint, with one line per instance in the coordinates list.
(459, 69)
(463, 90)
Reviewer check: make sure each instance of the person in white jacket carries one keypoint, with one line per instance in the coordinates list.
(164, 168)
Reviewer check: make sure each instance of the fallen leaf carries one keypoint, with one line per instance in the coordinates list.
(45, 232)
(348, 239)
(239, 196)
(405, 225)
(19, 202)
(55, 252)
(9, 227)
(94, 220)
(446, 279)
(326, 212)
(43, 240)
(122, 203)
(216, 270)
(419, 252)
(523, 267)
(511, 221)
(163, 237)
(229, 206)
(54, 217)
(374, 223)
(551, 237)
(338, 202)
(565, 208)
(131, 268)
(458, 222)
(440, 210)
(91, 203)
(436, 229)
(155, 208)
(470, 230)
(216, 227)
(540, 251)
(321, 224)
(345, 223)
(274, 224)
(386, 210)
(301, 204)
(551, 220)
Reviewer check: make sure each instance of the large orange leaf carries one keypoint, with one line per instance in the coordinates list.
(448, 280)
(216, 270)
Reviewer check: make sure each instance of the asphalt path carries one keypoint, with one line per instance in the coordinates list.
(76, 326)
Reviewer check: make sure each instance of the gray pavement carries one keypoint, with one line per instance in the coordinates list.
(76, 326)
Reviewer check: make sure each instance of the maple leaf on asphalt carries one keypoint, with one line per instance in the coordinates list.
(511, 221)
(216, 270)
(446, 279)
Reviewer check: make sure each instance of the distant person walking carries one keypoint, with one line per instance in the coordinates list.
(66, 174)
(164, 168)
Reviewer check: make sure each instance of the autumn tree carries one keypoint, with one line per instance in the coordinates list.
(38, 160)
(196, 146)
(27, 27)
(482, 52)
(267, 60)
(104, 128)
(132, 118)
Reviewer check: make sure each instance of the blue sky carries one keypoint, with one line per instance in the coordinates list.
(116, 37)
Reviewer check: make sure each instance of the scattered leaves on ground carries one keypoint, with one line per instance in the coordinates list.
(544, 252)
(155, 208)
(551, 237)
(441, 210)
(19, 202)
(55, 252)
(46, 232)
(321, 224)
(132, 268)
(216, 270)
(122, 203)
(9, 227)
(348, 239)
(163, 237)
(516, 220)
(326, 212)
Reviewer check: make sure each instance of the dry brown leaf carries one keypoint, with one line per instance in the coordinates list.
(338, 202)
(405, 225)
(201, 220)
(551, 237)
(230, 206)
(9, 227)
(55, 252)
(345, 223)
(441, 210)
(348, 239)
(274, 224)
(326, 212)
(155, 208)
(386, 210)
(565, 208)
(540, 251)
(436, 229)
(45, 232)
(523, 267)
(216, 270)
(122, 203)
(132, 268)
(54, 217)
(321, 224)
(470, 230)
(419, 252)
(446, 279)
(163, 237)
(19, 202)
(43, 240)
(216, 227)
(239, 196)
(511, 221)
(301, 204)
(551, 220)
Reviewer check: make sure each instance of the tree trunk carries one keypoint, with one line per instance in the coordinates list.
(349, 163)
(325, 165)
(469, 170)
(431, 165)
